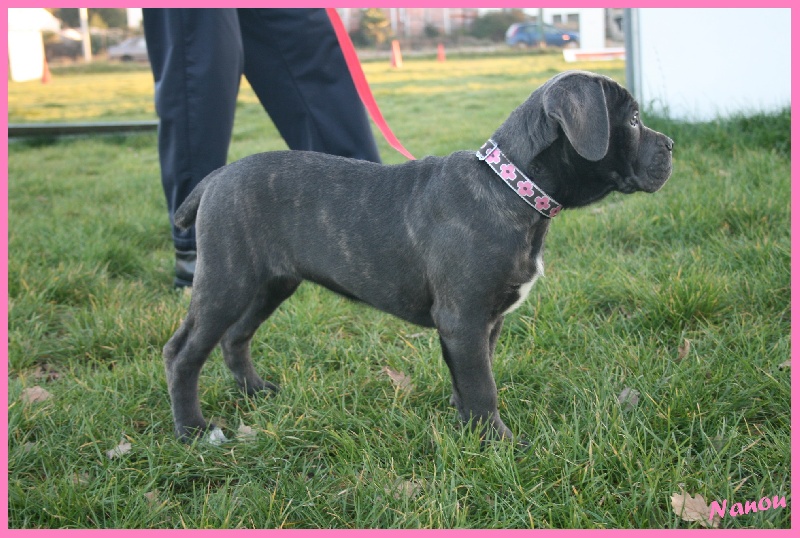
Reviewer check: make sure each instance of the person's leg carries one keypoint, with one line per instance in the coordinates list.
(197, 61)
(295, 65)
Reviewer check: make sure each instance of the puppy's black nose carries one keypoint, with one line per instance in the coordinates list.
(670, 143)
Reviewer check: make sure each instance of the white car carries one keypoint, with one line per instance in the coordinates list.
(129, 50)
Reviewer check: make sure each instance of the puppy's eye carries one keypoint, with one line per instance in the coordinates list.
(635, 120)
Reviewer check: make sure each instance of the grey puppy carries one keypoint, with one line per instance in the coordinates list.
(450, 242)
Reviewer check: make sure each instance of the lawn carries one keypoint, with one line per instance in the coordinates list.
(681, 299)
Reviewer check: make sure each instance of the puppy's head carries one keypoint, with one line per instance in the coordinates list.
(585, 139)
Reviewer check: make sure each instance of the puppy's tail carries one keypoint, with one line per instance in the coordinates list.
(187, 212)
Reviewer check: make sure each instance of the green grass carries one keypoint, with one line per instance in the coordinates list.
(628, 281)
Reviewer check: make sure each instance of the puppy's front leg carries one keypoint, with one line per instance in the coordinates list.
(467, 348)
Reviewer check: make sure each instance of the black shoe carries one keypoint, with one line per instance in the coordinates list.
(185, 261)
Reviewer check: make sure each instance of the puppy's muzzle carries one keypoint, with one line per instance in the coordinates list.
(659, 164)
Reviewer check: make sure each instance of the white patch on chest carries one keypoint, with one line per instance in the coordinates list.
(525, 288)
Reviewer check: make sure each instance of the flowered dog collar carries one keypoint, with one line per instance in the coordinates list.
(519, 182)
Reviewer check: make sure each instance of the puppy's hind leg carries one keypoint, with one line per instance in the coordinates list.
(189, 348)
(236, 341)
(184, 356)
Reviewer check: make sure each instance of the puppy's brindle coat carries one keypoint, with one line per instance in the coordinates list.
(440, 242)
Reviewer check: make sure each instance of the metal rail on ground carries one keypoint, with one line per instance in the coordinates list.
(64, 129)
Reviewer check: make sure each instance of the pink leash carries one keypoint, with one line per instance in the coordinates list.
(360, 81)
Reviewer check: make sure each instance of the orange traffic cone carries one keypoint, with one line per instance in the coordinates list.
(45, 73)
(397, 57)
(440, 55)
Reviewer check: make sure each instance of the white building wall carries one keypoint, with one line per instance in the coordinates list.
(700, 64)
(25, 45)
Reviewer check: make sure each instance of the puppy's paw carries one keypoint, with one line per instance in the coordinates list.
(263, 388)
(190, 434)
(210, 434)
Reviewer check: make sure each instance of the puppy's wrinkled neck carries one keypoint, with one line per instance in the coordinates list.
(577, 181)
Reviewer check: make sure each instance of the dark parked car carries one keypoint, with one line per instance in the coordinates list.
(527, 34)
(60, 46)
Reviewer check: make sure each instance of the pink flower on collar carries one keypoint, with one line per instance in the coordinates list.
(493, 157)
(508, 171)
(556, 210)
(525, 188)
(542, 202)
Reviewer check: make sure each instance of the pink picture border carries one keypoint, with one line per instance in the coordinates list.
(795, 256)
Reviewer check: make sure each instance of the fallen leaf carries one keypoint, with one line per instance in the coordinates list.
(785, 365)
(628, 399)
(718, 442)
(80, 479)
(121, 449)
(152, 497)
(35, 395)
(693, 509)
(683, 349)
(403, 489)
(400, 380)
(46, 373)
(216, 437)
(245, 433)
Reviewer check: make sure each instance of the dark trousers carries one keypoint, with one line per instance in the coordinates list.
(294, 64)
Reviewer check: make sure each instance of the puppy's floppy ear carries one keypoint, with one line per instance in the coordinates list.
(578, 103)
